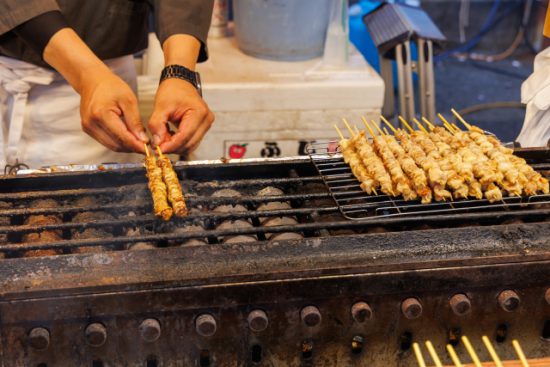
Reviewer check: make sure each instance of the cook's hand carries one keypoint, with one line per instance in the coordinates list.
(109, 112)
(178, 101)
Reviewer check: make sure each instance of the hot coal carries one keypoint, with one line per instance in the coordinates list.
(43, 236)
(229, 225)
(189, 229)
(91, 232)
(230, 193)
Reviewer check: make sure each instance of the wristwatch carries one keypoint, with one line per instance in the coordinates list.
(181, 72)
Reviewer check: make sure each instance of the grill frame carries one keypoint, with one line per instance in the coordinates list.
(331, 268)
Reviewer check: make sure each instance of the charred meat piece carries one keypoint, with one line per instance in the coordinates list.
(158, 188)
(175, 195)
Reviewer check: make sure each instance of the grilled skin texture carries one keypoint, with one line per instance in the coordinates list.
(175, 195)
(158, 189)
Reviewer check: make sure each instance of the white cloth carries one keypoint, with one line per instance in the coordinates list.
(535, 93)
(40, 117)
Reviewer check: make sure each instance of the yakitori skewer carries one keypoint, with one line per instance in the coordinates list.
(433, 354)
(454, 356)
(398, 177)
(157, 187)
(175, 194)
(491, 350)
(415, 174)
(418, 355)
(520, 353)
(471, 351)
(518, 174)
(352, 158)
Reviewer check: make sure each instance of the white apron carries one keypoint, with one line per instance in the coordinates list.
(40, 117)
(535, 93)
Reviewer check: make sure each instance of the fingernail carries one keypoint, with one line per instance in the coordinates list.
(143, 137)
(156, 139)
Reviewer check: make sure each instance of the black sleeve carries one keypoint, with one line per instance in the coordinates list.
(16, 12)
(190, 17)
(38, 31)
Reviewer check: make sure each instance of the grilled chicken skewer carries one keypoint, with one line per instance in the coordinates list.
(398, 177)
(372, 161)
(518, 174)
(415, 173)
(352, 158)
(157, 187)
(437, 179)
(175, 195)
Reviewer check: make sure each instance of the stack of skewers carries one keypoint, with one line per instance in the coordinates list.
(164, 186)
(437, 163)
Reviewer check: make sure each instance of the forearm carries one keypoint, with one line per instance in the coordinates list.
(181, 49)
(73, 59)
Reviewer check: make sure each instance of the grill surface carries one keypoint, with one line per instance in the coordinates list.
(261, 236)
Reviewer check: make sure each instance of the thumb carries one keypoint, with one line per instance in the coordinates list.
(157, 126)
(133, 120)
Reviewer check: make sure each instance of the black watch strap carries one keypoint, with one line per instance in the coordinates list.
(181, 72)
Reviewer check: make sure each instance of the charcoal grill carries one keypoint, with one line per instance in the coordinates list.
(89, 277)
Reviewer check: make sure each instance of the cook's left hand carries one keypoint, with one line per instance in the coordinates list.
(178, 101)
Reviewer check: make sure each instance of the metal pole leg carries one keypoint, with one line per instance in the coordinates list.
(401, 79)
(427, 80)
(387, 76)
(409, 91)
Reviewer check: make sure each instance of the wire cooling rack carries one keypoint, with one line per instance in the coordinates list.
(356, 204)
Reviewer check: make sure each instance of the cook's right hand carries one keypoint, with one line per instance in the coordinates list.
(109, 113)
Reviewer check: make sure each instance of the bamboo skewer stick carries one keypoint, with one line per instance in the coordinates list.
(348, 127)
(418, 354)
(339, 133)
(471, 351)
(520, 354)
(422, 128)
(427, 122)
(404, 122)
(446, 124)
(454, 356)
(146, 150)
(366, 123)
(377, 127)
(491, 350)
(393, 129)
(468, 126)
(433, 354)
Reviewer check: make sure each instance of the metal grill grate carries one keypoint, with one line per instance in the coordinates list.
(355, 204)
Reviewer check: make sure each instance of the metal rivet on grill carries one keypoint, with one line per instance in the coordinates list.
(460, 304)
(96, 334)
(361, 311)
(257, 320)
(311, 316)
(39, 338)
(149, 330)
(411, 308)
(508, 300)
(205, 325)
(547, 296)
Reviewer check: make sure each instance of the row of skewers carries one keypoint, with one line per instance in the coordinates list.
(164, 186)
(522, 361)
(436, 163)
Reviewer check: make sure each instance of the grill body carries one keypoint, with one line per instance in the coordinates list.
(308, 288)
